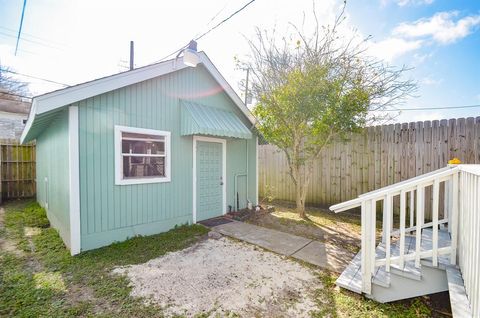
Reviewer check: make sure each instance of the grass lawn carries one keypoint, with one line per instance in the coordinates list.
(42, 279)
(38, 277)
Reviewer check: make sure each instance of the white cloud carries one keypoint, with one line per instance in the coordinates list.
(403, 3)
(442, 27)
(413, 2)
(391, 48)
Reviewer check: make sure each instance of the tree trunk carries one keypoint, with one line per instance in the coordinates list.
(300, 199)
(300, 207)
(303, 174)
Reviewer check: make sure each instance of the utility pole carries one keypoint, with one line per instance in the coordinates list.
(246, 87)
(131, 55)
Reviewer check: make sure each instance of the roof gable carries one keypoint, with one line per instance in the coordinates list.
(52, 101)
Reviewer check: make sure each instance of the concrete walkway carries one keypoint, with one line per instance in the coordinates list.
(307, 250)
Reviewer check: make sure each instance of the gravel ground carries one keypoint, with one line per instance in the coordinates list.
(224, 277)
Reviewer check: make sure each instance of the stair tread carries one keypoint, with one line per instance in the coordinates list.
(444, 240)
(409, 270)
(351, 277)
(381, 277)
(458, 296)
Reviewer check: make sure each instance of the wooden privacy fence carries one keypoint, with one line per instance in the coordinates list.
(380, 156)
(17, 163)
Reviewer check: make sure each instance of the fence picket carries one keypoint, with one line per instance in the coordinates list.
(17, 165)
(379, 157)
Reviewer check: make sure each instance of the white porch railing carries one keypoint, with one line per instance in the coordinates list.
(460, 215)
(468, 245)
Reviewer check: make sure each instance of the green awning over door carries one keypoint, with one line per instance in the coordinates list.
(199, 119)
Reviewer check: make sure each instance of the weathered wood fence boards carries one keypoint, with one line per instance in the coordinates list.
(380, 156)
(17, 163)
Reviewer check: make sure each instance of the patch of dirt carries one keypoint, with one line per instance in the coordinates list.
(440, 304)
(219, 277)
(337, 234)
(6, 244)
(11, 247)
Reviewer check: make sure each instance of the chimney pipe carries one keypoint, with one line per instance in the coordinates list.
(131, 55)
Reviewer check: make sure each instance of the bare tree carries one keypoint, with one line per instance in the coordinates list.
(317, 89)
(13, 93)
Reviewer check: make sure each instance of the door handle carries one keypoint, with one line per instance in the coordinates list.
(221, 183)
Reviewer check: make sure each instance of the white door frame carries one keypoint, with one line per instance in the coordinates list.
(224, 172)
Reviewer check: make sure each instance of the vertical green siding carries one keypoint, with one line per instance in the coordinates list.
(112, 212)
(52, 163)
(237, 152)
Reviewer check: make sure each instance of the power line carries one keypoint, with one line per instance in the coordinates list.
(224, 20)
(24, 34)
(29, 40)
(35, 77)
(208, 31)
(218, 13)
(431, 108)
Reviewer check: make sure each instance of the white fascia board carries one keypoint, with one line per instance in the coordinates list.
(29, 123)
(50, 101)
(79, 92)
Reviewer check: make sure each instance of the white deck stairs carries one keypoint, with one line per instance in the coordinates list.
(422, 256)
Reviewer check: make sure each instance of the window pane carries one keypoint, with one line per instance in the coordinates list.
(134, 167)
(143, 147)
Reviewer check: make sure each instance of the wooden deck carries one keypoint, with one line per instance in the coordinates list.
(351, 278)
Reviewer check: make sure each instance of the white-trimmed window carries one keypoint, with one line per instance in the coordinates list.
(141, 155)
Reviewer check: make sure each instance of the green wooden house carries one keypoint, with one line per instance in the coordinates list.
(139, 152)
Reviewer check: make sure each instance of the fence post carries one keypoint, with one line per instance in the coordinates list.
(453, 218)
(366, 257)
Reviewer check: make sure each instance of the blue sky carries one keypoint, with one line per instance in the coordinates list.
(76, 41)
(447, 60)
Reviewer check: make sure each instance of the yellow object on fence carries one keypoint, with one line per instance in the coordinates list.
(454, 161)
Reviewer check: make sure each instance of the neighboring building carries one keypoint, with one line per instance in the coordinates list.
(13, 115)
(142, 151)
